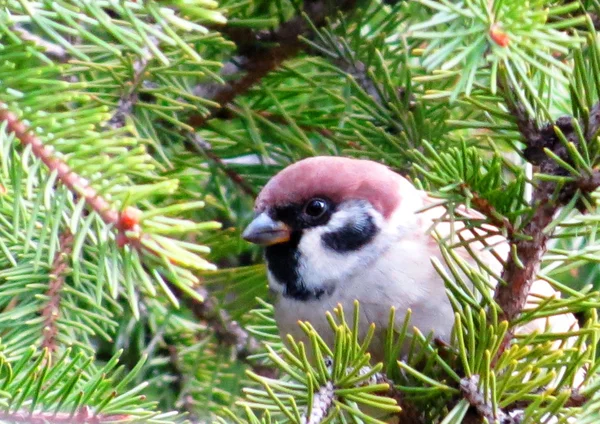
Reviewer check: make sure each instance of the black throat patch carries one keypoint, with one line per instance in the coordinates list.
(283, 260)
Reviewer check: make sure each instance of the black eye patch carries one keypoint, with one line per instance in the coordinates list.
(352, 236)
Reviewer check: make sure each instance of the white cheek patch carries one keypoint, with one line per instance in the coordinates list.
(321, 266)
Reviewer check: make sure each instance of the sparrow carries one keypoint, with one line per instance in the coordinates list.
(337, 229)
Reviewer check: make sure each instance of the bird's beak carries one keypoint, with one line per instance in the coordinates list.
(266, 231)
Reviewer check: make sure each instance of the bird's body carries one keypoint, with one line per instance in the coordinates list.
(401, 255)
(338, 230)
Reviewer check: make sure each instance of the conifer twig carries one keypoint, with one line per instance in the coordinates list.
(50, 49)
(469, 387)
(129, 97)
(50, 312)
(520, 271)
(73, 181)
(258, 60)
(321, 405)
(83, 415)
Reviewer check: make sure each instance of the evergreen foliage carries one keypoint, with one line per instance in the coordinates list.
(134, 136)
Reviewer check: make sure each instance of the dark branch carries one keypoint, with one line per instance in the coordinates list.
(227, 331)
(519, 273)
(257, 56)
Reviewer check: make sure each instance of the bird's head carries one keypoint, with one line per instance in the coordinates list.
(324, 218)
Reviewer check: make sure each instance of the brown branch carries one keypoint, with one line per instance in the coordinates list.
(122, 221)
(50, 312)
(485, 207)
(227, 331)
(73, 181)
(520, 272)
(83, 416)
(258, 59)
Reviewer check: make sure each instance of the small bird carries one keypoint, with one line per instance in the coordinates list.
(338, 229)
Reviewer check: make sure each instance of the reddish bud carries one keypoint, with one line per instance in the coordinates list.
(129, 218)
(500, 37)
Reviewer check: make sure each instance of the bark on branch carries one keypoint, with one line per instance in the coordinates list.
(227, 331)
(83, 415)
(50, 313)
(78, 185)
(519, 273)
(260, 53)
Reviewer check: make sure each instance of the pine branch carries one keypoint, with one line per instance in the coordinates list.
(74, 182)
(50, 313)
(83, 416)
(51, 50)
(520, 272)
(258, 60)
(227, 331)
(321, 405)
(129, 97)
(469, 387)
(123, 221)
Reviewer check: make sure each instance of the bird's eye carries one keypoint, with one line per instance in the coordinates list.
(315, 208)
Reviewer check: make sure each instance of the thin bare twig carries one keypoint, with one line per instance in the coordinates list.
(82, 416)
(50, 312)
